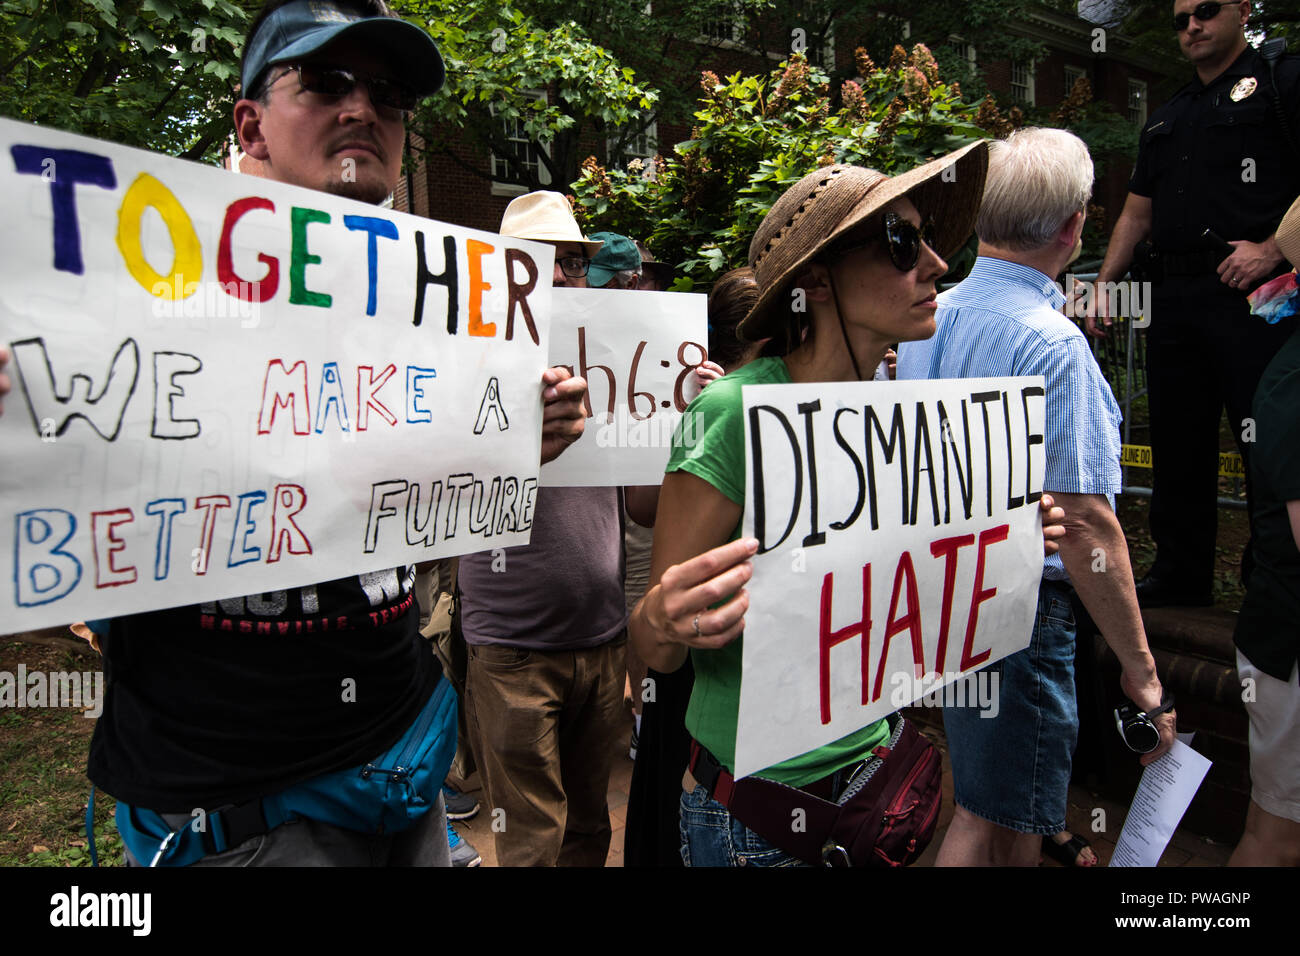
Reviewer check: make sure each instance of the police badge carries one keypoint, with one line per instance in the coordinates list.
(1245, 86)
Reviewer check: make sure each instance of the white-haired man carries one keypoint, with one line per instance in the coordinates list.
(1011, 772)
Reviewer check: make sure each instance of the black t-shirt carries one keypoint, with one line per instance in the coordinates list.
(1215, 156)
(1268, 628)
(221, 702)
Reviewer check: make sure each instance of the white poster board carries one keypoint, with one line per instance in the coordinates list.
(225, 385)
(637, 350)
(900, 549)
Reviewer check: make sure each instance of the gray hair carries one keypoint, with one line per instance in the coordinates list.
(622, 279)
(1038, 178)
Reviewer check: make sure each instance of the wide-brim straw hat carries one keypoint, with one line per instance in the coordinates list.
(544, 216)
(1288, 235)
(828, 203)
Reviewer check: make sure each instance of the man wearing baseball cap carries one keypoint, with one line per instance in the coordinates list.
(225, 736)
(617, 265)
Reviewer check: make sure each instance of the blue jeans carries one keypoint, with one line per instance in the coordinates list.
(1013, 769)
(711, 836)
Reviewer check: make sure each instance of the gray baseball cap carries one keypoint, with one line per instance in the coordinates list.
(304, 27)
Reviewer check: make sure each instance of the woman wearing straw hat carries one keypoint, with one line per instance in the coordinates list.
(860, 252)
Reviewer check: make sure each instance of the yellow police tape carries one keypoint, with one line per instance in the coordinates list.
(1139, 456)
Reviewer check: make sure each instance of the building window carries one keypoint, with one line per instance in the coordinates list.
(964, 50)
(634, 143)
(1072, 75)
(507, 180)
(811, 16)
(1022, 83)
(725, 28)
(1137, 103)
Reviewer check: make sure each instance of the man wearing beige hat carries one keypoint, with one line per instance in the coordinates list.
(1268, 628)
(546, 628)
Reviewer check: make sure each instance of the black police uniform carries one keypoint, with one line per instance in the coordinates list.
(1214, 156)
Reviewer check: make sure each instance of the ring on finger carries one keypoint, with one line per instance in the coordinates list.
(696, 624)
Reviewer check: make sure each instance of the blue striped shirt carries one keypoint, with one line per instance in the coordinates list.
(1004, 319)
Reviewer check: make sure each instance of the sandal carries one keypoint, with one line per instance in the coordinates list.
(1069, 852)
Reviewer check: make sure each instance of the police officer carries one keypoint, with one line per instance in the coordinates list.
(1219, 156)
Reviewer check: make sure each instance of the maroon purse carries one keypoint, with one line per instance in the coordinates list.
(884, 817)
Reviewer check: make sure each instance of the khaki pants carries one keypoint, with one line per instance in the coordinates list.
(545, 726)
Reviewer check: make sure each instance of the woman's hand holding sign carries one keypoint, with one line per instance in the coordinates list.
(693, 567)
(683, 609)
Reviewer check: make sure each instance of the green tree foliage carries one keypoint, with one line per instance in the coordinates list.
(755, 135)
(495, 58)
(157, 74)
(610, 69)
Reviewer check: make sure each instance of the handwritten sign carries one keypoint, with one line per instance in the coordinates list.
(638, 351)
(225, 385)
(900, 548)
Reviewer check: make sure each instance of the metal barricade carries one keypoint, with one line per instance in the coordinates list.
(1122, 358)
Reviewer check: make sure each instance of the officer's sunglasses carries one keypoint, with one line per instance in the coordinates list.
(575, 267)
(336, 82)
(1203, 12)
(902, 239)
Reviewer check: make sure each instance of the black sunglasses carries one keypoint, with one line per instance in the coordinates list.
(336, 82)
(1203, 12)
(1137, 728)
(575, 267)
(902, 238)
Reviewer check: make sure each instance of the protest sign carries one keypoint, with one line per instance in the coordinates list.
(638, 351)
(225, 385)
(899, 549)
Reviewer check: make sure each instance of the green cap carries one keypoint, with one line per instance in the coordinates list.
(618, 254)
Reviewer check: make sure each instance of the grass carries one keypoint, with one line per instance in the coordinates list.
(44, 789)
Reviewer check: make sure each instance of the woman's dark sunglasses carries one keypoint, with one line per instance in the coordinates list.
(902, 238)
(1203, 12)
(336, 82)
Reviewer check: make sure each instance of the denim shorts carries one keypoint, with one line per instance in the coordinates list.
(711, 836)
(1013, 769)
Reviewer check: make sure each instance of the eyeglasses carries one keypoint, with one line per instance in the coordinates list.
(575, 267)
(902, 238)
(335, 82)
(1203, 12)
(1138, 729)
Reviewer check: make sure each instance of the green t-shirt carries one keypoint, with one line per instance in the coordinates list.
(1268, 627)
(710, 444)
